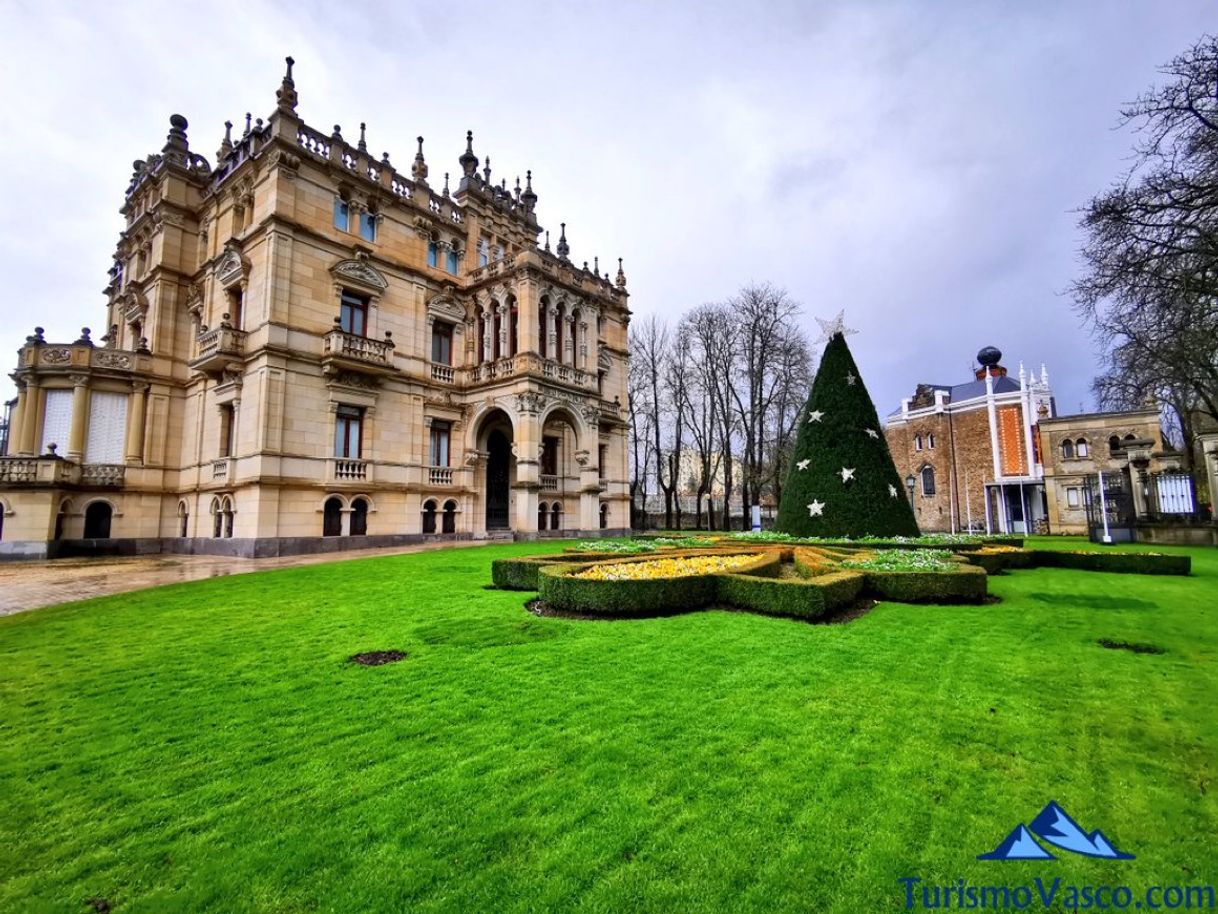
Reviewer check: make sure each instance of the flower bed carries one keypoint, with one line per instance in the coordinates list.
(676, 567)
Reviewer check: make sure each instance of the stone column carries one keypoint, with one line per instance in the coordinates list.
(133, 452)
(488, 322)
(15, 422)
(594, 341)
(526, 309)
(568, 344)
(505, 329)
(31, 410)
(552, 333)
(80, 415)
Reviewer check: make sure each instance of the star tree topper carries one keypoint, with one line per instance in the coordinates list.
(829, 329)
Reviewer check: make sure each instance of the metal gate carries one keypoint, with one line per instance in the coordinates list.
(1110, 511)
(1172, 498)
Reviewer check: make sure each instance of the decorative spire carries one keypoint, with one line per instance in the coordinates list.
(336, 136)
(385, 161)
(363, 143)
(547, 241)
(446, 184)
(248, 120)
(486, 171)
(1044, 374)
(227, 145)
(176, 146)
(286, 96)
(418, 171)
(563, 248)
(596, 266)
(528, 198)
(469, 161)
(518, 188)
(621, 276)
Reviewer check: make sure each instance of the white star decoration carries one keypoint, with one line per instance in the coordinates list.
(815, 415)
(816, 509)
(873, 433)
(892, 490)
(850, 378)
(803, 464)
(847, 474)
(829, 329)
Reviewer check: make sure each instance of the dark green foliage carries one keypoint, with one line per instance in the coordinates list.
(1114, 562)
(802, 599)
(873, 502)
(521, 573)
(561, 590)
(966, 585)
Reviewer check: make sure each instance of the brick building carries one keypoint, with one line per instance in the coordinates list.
(969, 451)
(308, 348)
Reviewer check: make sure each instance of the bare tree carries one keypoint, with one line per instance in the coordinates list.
(641, 441)
(1150, 291)
(705, 331)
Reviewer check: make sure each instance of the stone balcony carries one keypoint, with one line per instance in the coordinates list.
(440, 476)
(348, 470)
(55, 471)
(524, 364)
(40, 357)
(342, 351)
(218, 349)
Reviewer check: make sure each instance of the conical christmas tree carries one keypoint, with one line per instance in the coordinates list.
(842, 480)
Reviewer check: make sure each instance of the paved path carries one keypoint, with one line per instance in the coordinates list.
(30, 585)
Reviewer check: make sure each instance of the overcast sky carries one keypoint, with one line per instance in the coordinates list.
(917, 164)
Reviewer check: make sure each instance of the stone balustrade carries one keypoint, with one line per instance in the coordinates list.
(440, 476)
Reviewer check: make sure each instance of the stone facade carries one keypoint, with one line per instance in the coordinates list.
(1080, 446)
(308, 349)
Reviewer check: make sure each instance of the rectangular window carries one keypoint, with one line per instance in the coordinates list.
(442, 344)
(433, 254)
(236, 307)
(57, 421)
(349, 432)
(440, 432)
(227, 430)
(1073, 498)
(484, 252)
(498, 252)
(342, 214)
(107, 427)
(549, 455)
(451, 264)
(353, 314)
(367, 226)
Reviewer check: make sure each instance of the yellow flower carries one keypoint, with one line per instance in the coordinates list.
(654, 569)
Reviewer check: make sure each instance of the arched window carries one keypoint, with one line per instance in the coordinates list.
(359, 517)
(1080, 448)
(217, 518)
(928, 480)
(228, 517)
(930, 441)
(183, 519)
(917, 442)
(450, 517)
(604, 515)
(1114, 444)
(542, 515)
(429, 516)
(1068, 449)
(541, 326)
(97, 521)
(332, 517)
(1130, 437)
(556, 517)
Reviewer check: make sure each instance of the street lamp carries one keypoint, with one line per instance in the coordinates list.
(910, 482)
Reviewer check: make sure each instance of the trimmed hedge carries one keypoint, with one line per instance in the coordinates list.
(805, 599)
(521, 573)
(1113, 562)
(966, 584)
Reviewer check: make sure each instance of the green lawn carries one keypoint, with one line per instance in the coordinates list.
(206, 748)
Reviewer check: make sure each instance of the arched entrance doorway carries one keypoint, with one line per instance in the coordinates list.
(498, 479)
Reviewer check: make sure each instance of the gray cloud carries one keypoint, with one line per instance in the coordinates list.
(915, 163)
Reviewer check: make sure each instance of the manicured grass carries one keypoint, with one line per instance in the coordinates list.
(207, 748)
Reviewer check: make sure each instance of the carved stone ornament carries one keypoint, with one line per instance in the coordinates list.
(444, 307)
(105, 359)
(194, 300)
(581, 457)
(360, 272)
(592, 413)
(602, 358)
(352, 379)
(55, 356)
(232, 267)
(530, 402)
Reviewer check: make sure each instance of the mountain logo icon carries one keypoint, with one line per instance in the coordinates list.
(1054, 827)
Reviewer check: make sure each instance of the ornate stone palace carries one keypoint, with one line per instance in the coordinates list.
(308, 349)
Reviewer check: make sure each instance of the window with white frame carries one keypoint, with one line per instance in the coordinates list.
(1074, 497)
(367, 225)
(342, 214)
(349, 432)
